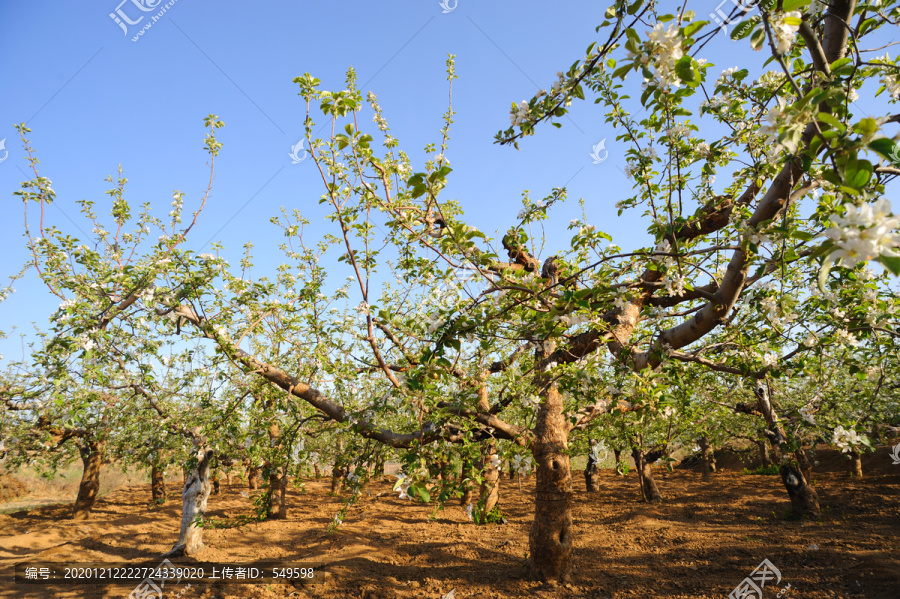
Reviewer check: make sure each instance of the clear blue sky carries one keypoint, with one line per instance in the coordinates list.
(95, 99)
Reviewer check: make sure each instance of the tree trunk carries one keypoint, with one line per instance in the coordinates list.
(802, 495)
(592, 472)
(550, 540)
(92, 458)
(276, 509)
(465, 477)
(338, 473)
(193, 508)
(705, 463)
(765, 454)
(649, 491)
(158, 484)
(805, 464)
(253, 477)
(490, 486)
(318, 472)
(857, 464)
(618, 454)
(490, 470)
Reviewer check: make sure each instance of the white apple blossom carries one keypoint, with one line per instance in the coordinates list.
(846, 440)
(864, 233)
(784, 29)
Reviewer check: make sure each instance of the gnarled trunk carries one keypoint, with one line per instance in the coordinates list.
(490, 486)
(158, 483)
(92, 458)
(550, 540)
(193, 505)
(642, 462)
(490, 466)
(802, 495)
(276, 508)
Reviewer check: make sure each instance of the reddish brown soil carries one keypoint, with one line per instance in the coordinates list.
(700, 543)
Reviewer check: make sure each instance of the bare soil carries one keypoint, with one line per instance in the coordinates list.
(700, 543)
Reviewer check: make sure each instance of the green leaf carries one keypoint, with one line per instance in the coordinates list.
(744, 28)
(891, 263)
(685, 70)
(789, 5)
(887, 148)
(693, 27)
(757, 39)
(622, 71)
(831, 121)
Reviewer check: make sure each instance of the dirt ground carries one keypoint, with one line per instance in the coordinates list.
(700, 543)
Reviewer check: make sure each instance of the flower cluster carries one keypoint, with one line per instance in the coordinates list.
(402, 485)
(864, 233)
(521, 465)
(791, 124)
(806, 412)
(571, 320)
(846, 440)
(495, 461)
(519, 114)
(665, 50)
(890, 79)
(532, 401)
(784, 29)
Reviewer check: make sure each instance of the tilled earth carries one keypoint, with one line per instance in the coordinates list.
(702, 542)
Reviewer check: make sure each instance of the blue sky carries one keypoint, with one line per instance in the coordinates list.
(95, 99)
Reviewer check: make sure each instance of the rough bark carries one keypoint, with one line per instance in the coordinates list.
(856, 460)
(550, 540)
(276, 509)
(804, 499)
(193, 509)
(318, 472)
(92, 459)
(642, 462)
(158, 484)
(705, 462)
(490, 486)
